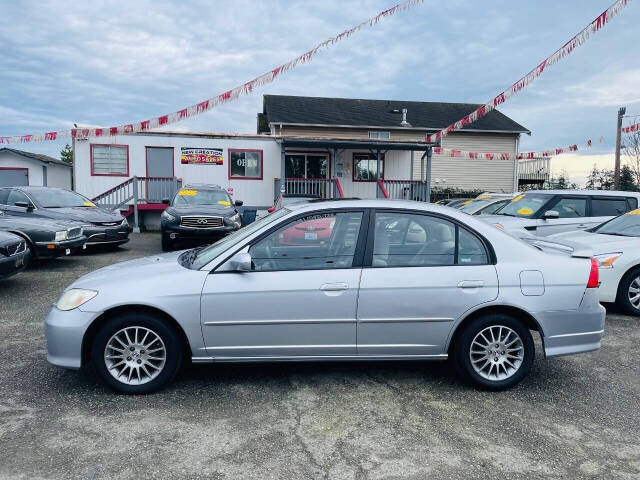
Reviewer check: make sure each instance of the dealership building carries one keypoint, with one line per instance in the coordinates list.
(328, 146)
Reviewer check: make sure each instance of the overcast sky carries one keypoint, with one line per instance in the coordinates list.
(109, 63)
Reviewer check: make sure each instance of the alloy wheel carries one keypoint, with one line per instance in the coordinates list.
(135, 355)
(496, 353)
(634, 293)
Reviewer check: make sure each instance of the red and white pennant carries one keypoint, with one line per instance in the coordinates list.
(206, 105)
(632, 128)
(575, 42)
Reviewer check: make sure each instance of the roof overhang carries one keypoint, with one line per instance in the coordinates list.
(355, 144)
(388, 127)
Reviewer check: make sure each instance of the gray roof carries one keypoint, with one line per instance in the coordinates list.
(353, 112)
(36, 156)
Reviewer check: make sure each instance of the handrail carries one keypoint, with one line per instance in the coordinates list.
(382, 189)
(339, 187)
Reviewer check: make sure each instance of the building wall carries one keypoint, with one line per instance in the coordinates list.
(493, 175)
(397, 166)
(11, 160)
(59, 176)
(252, 192)
(473, 174)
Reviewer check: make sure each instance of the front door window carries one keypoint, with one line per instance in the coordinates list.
(302, 165)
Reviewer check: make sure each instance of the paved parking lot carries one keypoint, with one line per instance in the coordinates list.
(572, 417)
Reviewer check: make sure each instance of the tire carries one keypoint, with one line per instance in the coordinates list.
(167, 245)
(157, 367)
(630, 280)
(511, 365)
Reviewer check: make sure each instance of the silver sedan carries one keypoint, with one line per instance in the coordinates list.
(341, 280)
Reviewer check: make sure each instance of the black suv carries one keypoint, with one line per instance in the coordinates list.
(198, 214)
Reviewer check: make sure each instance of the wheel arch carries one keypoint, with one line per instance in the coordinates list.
(629, 269)
(102, 319)
(519, 314)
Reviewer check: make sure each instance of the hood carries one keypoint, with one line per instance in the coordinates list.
(220, 210)
(600, 243)
(6, 237)
(130, 271)
(40, 223)
(84, 214)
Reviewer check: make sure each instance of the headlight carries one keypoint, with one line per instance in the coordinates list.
(60, 236)
(74, 298)
(606, 260)
(233, 219)
(167, 216)
(124, 222)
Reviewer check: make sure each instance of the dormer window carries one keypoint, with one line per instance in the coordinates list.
(379, 135)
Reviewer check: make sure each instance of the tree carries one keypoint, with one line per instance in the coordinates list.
(631, 151)
(593, 180)
(627, 181)
(66, 154)
(606, 180)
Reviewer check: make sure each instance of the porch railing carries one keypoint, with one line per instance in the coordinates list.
(403, 189)
(537, 170)
(321, 187)
(137, 190)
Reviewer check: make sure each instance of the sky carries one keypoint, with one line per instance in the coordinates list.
(109, 63)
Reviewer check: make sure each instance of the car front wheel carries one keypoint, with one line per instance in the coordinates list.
(137, 353)
(628, 298)
(494, 352)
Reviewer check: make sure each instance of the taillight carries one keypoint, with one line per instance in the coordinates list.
(594, 279)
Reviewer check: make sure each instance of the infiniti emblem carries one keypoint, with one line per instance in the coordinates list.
(202, 221)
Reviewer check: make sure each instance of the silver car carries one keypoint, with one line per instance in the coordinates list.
(339, 280)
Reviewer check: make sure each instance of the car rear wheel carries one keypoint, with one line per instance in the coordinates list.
(628, 298)
(494, 352)
(137, 353)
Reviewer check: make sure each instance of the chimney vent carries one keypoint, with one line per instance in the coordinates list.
(404, 122)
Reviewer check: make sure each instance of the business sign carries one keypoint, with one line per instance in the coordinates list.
(201, 156)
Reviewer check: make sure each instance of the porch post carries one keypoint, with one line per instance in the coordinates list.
(428, 179)
(136, 225)
(282, 187)
(379, 161)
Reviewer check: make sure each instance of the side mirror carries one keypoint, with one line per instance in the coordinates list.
(550, 214)
(26, 205)
(166, 201)
(238, 203)
(271, 209)
(240, 262)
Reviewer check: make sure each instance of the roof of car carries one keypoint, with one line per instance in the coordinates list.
(604, 193)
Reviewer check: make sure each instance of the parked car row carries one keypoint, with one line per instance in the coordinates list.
(52, 222)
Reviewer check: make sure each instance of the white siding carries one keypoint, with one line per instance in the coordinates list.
(473, 174)
(11, 160)
(252, 192)
(59, 176)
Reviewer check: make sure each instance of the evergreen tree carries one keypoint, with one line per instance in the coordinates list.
(606, 180)
(66, 154)
(627, 183)
(593, 180)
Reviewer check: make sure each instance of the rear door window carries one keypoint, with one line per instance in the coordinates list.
(608, 207)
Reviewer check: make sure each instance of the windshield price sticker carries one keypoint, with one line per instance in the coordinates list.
(518, 198)
(525, 211)
(187, 193)
(634, 212)
(224, 202)
(88, 204)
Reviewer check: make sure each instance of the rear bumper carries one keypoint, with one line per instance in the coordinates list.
(57, 249)
(573, 331)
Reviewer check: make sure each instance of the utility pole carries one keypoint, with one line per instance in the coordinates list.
(616, 171)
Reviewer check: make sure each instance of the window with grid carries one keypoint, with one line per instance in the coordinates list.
(109, 160)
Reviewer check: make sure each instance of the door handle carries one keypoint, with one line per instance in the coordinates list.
(334, 287)
(471, 284)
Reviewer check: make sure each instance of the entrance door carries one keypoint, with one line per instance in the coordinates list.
(307, 166)
(159, 165)
(14, 177)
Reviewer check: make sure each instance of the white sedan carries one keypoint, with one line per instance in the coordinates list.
(616, 245)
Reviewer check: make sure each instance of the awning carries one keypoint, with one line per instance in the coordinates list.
(356, 144)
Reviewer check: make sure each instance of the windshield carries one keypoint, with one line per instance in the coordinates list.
(290, 200)
(52, 198)
(207, 254)
(525, 205)
(474, 205)
(192, 196)
(627, 225)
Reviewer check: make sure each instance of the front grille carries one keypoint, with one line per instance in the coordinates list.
(201, 222)
(15, 248)
(106, 224)
(74, 232)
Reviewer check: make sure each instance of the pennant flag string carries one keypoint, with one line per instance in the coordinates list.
(575, 42)
(631, 128)
(206, 105)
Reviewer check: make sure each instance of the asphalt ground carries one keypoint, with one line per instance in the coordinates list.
(573, 417)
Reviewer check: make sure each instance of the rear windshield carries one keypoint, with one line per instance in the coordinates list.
(194, 196)
(627, 225)
(525, 205)
(60, 198)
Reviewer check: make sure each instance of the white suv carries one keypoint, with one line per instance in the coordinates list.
(545, 212)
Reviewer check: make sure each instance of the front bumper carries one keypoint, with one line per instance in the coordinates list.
(573, 331)
(57, 249)
(11, 265)
(64, 332)
(98, 235)
(177, 232)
